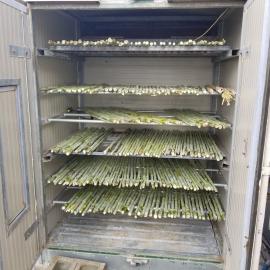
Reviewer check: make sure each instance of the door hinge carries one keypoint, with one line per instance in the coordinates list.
(18, 51)
(247, 242)
(228, 242)
(265, 171)
(248, 4)
(245, 52)
(31, 229)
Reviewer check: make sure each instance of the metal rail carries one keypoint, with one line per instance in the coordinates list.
(100, 5)
(65, 195)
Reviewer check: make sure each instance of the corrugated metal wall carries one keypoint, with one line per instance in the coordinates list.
(52, 71)
(247, 96)
(17, 253)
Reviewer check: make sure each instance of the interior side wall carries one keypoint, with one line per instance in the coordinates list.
(227, 76)
(232, 27)
(52, 71)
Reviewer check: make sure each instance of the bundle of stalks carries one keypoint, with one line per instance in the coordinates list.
(150, 90)
(126, 116)
(177, 117)
(134, 172)
(228, 95)
(83, 142)
(197, 119)
(112, 42)
(155, 203)
(154, 143)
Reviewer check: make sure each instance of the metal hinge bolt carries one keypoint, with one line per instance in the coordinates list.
(245, 52)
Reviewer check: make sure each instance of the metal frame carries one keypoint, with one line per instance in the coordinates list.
(44, 52)
(80, 80)
(103, 4)
(64, 195)
(11, 224)
(15, 4)
(37, 144)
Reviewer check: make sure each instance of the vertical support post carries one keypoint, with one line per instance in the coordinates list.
(216, 81)
(80, 80)
(79, 63)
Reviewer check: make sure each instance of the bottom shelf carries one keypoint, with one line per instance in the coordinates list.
(167, 239)
(154, 203)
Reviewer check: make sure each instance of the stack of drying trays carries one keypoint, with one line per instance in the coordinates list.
(149, 177)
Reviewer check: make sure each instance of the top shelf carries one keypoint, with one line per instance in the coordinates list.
(227, 94)
(161, 47)
(208, 51)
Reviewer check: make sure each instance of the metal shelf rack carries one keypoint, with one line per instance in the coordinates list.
(100, 151)
(66, 194)
(81, 117)
(199, 50)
